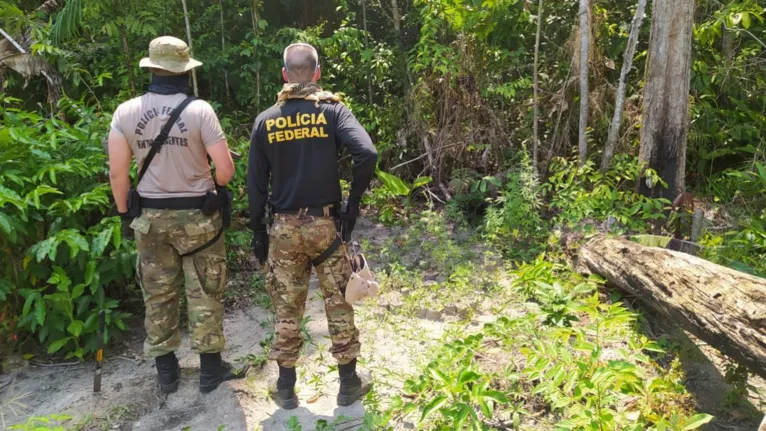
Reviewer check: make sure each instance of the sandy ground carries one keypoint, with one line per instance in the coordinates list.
(393, 347)
(130, 399)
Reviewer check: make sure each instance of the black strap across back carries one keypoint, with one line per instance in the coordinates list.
(157, 144)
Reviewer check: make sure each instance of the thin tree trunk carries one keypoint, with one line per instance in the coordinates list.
(191, 48)
(627, 65)
(253, 17)
(223, 50)
(536, 102)
(666, 97)
(727, 45)
(366, 46)
(126, 50)
(256, 31)
(397, 18)
(584, 89)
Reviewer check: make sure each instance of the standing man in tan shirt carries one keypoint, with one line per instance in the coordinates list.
(173, 211)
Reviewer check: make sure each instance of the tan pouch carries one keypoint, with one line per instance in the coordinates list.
(362, 284)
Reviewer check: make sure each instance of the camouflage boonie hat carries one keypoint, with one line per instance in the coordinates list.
(171, 54)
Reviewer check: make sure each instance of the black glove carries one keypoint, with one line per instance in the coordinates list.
(260, 246)
(125, 229)
(348, 214)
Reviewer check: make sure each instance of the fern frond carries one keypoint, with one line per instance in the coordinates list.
(67, 22)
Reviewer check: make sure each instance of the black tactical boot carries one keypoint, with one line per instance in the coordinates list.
(282, 391)
(353, 385)
(168, 372)
(213, 371)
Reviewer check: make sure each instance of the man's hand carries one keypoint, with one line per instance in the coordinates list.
(260, 246)
(126, 231)
(348, 214)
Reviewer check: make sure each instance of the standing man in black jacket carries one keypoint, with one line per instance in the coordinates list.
(294, 149)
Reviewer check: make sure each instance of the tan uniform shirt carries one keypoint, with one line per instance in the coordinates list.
(180, 168)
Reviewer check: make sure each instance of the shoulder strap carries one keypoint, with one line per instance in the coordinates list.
(163, 136)
(206, 245)
(329, 252)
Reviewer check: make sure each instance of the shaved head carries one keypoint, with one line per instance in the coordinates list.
(301, 62)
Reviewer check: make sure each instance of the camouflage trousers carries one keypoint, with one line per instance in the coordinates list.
(294, 241)
(162, 236)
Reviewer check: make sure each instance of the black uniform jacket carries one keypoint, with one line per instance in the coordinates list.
(295, 148)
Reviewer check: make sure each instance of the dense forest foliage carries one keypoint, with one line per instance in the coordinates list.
(446, 88)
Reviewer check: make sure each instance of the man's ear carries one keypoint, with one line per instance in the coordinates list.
(317, 74)
(284, 75)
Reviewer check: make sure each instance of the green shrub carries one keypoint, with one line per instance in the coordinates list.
(580, 193)
(42, 423)
(60, 256)
(514, 221)
(742, 248)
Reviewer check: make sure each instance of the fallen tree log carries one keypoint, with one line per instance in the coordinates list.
(721, 306)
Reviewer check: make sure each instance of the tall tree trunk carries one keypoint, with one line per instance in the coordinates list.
(630, 52)
(397, 18)
(727, 47)
(584, 89)
(366, 46)
(191, 48)
(536, 102)
(126, 51)
(223, 50)
(666, 96)
(256, 31)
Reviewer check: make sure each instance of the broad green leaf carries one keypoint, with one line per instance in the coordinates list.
(57, 345)
(462, 414)
(5, 223)
(90, 271)
(422, 181)
(652, 240)
(496, 395)
(654, 347)
(746, 20)
(467, 376)
(432, 406)
(438, 375)
(101, 241)
(75, 328)
(485, 408)
(46, 248)
(28, 304)
(697, 421)
(761, 172)
(77, 291)
(40, 311)
(393, 184)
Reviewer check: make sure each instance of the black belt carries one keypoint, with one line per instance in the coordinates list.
(187, 203)
(311, 212)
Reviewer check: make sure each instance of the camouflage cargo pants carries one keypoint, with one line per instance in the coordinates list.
(162, 236)
(294, 241)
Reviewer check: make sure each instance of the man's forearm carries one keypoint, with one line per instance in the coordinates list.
(363, 172)
(120, 189)
(257, 211)
(223, 178)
